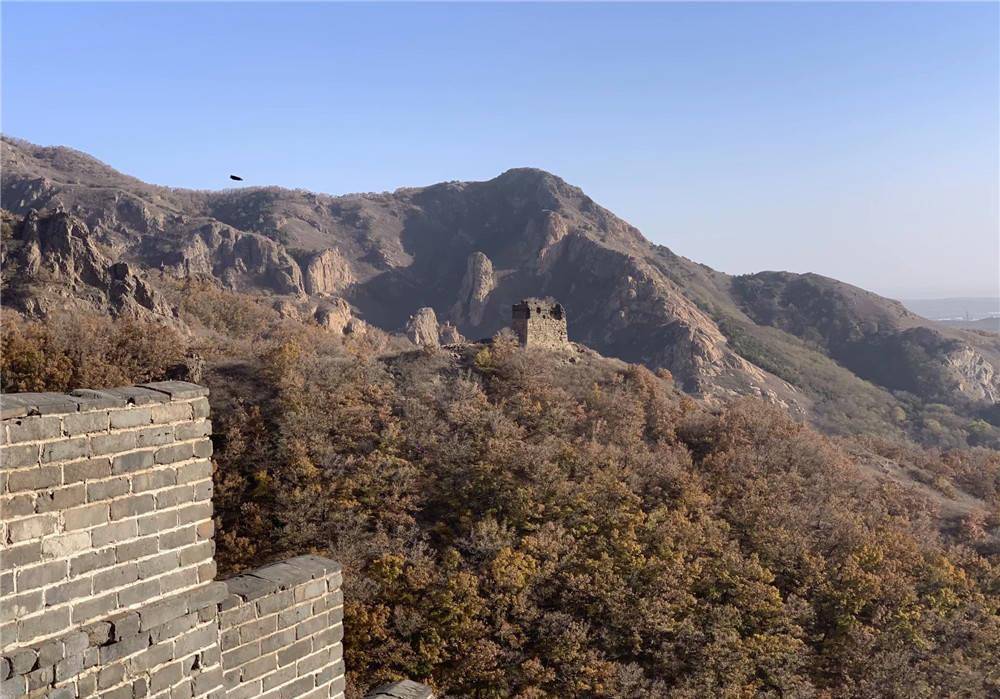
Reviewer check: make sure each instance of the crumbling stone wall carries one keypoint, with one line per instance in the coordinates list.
(107, 571)
(540, 323)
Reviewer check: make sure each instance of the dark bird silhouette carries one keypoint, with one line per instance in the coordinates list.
(236, 177)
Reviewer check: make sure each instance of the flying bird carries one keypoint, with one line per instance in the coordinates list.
(236, 177)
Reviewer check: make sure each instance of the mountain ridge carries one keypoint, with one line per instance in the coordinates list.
(468, 250)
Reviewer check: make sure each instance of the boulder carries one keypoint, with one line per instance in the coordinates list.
(422, 328)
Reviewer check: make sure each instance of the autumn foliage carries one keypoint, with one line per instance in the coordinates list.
(83, 351)
(515, 524)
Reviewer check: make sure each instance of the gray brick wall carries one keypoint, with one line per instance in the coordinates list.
(280, 631)
(107, 570)
(107, 565)
(101, 504)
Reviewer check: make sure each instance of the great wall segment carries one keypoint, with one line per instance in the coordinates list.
(107, 574)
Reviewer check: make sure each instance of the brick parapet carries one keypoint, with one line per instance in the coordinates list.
(281, 631)
(107, 569)
(169, 648)
(275, 632)
(105, 504)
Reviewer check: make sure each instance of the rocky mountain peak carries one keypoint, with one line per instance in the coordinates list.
(467, 251)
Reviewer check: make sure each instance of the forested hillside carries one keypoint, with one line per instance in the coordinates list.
(532, 524)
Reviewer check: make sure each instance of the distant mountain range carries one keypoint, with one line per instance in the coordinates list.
(963, 309)
(991, 324)
(79, 234)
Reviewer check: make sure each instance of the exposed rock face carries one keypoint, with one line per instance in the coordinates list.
(245, 260)
(973, 376)
(422, 328)
(477, 284)
(554, 230)
(52, 264)
(194, 256)
(129, 294)
(60, 247)
(327, 272)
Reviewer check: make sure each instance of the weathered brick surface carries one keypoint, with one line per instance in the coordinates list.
(80, 474)
(280, 630)
(108, 568)
(540, 323)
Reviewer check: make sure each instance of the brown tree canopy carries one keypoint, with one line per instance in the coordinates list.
(515, 524)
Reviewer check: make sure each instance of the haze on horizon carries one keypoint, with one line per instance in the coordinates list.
(858, 141)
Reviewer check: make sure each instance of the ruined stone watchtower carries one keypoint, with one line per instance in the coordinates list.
(539, 323)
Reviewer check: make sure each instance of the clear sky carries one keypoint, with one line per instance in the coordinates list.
(858, 141)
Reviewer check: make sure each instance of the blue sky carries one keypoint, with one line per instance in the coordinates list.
(858, 141)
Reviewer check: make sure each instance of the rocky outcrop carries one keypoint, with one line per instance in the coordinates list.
(327, 272)
(972, 375)
(336, 316)
(422, 328)
(448, 334)
(241, 261)
(554, 230)
(247, 260)
(130, 294)
(257, 257)
(194, 257)
(52, 263)
(59, 247)
(478, 282)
